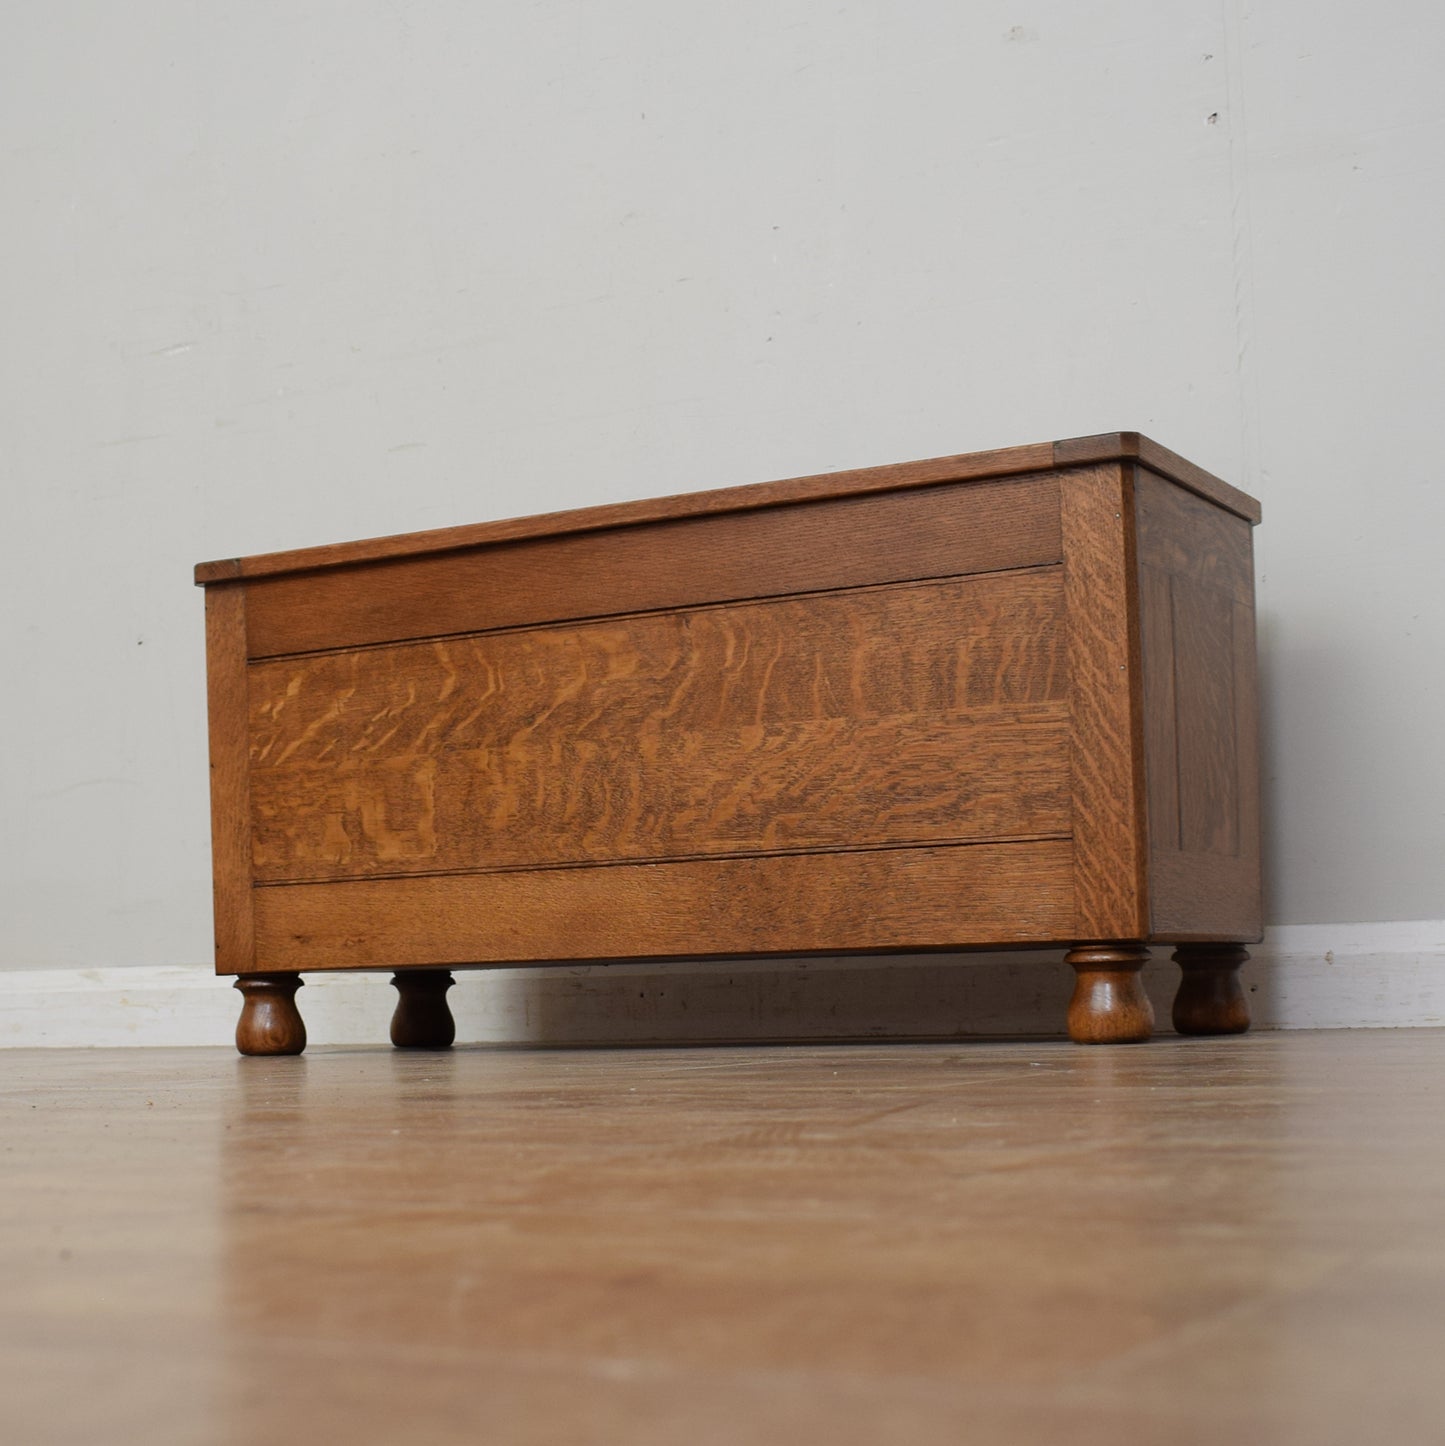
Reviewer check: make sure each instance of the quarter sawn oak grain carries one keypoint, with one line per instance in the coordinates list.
(891, 715)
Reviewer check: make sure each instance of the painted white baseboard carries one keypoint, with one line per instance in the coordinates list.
(1325, 976)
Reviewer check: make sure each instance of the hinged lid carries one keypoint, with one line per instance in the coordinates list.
(970, 466)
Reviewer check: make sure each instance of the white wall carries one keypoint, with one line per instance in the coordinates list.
(275, 274)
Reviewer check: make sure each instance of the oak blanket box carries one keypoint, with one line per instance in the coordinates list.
(993, 700)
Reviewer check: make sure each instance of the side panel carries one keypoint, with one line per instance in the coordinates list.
(942, 531)
(227, 703)
(1196, 585)
(1106, 762)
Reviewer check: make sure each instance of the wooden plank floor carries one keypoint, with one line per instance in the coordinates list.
(1191, 1241)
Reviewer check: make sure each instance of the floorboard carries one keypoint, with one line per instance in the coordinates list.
(1190, 1241)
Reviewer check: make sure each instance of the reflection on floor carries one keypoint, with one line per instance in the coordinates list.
(1187, 1241)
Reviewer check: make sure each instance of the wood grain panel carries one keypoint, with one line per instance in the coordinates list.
(883, 899)
(1196, 568)
(1205, 898)
(1246, 733)
(1204, 711)
(1184, 536)
(833, 784)
(1161, 748)
(1106, 756)
(888, 715)
(230, 803)
(938, 531)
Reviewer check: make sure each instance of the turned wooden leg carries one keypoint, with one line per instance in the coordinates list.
(423, 1019)
(1210, 1000)
(270, 1023)
(1109, 1004)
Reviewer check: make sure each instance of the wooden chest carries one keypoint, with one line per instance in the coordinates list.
(999, 699)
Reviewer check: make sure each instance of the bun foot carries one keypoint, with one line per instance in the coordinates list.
(1210, 1000)
(423, 1019)
(1109, 1004)
(270, 1023)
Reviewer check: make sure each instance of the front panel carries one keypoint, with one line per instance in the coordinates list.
(587, 773)
(907, 714)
